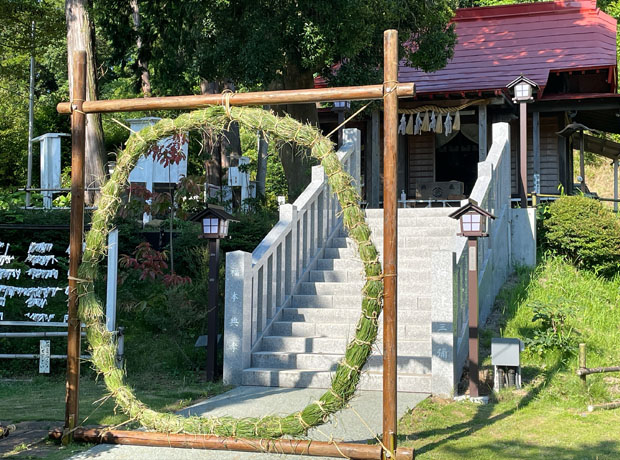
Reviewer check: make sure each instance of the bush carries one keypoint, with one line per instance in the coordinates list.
(586, 232)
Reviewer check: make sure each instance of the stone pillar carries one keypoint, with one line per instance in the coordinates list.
(237, 316)
(443, 329)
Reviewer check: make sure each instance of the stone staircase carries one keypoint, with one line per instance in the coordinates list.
(304, 346)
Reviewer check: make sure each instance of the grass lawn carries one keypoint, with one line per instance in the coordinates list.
(547, 418)
(43, 399)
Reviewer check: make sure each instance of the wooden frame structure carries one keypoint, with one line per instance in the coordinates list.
(389, 91)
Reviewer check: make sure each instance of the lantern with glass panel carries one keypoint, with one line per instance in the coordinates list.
(214, 221)
(522, 88)
(473, 220)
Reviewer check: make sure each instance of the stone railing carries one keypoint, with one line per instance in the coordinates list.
(261, 284)
(449, 280)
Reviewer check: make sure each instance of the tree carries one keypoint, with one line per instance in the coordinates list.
(284, 43)
(16, 46)
(80, 36)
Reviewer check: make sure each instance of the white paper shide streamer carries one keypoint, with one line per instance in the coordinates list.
(40, 248)
(8, 273)
(41, 260)
(39, 273)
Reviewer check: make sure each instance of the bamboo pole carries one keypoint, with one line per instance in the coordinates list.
(78, 141)
(298, 96)
(610, 405)
(596, 370)
(194, 441)
(582, 362)
(390, 240)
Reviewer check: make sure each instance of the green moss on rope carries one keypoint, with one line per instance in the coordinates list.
(101, 343)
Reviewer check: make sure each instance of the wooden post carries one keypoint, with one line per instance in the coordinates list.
(472, 244)
(482, 132)
(375, 151)
(78, 144)
(582, 162)
(390, 240)
(616, 185)
(213, 306)
(582, 362)
(536, 151)
(309, 447)
(523, 153)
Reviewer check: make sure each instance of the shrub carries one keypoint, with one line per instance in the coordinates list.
(553, 331)
(586, 232)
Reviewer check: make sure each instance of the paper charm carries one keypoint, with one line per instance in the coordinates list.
(40, 248)
(439, 124)
(402, 125)
(409, 129)
(41, 260)
(426, 122)
(433, 123)
(37, 273)
(456, 126)
(7, 273)
(448, 124)
(417, 129)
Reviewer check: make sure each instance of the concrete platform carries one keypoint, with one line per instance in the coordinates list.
(250, 401)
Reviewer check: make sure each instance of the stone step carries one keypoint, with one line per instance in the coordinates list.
(404, 253)
(291, 378)
(419, 273)
(343, 330)
(413, 264)
(349, 301)
(331, 344)
(438, 230)
(340, 276)
(330, 288)
(348, 315)
(407, 300)
(329, 361)
(412, 213)
(406, 239)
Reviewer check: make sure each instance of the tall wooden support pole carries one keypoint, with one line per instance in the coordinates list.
(390, 232)
(616, 185)
(582, 161)
(78, 143)
(213, 305)
(523, 154)
(582, 362)
(536, 151)
(472, 245)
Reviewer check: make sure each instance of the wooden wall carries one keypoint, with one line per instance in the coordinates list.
(421, 160)
(549, 155)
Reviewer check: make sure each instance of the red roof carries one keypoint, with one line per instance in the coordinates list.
(496, 44)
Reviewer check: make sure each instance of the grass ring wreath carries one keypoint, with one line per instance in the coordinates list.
(101, 343)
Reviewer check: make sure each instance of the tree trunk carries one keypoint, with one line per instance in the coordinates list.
(211, 144)
(80, 36)
(296, 162)
(231, 138)
(143, 65)
(261, 169)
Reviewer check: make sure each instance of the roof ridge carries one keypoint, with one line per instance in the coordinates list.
(523, 9)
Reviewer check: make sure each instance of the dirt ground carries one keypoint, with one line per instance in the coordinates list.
(28, 440)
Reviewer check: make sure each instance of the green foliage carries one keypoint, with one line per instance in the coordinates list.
(586, 232)
(552, 329)
(254, 43)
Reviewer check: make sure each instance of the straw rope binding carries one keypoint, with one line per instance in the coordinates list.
(101, 341)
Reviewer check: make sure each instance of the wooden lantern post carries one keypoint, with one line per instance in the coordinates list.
(473, 224)
(523, 89)
(214, 220)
